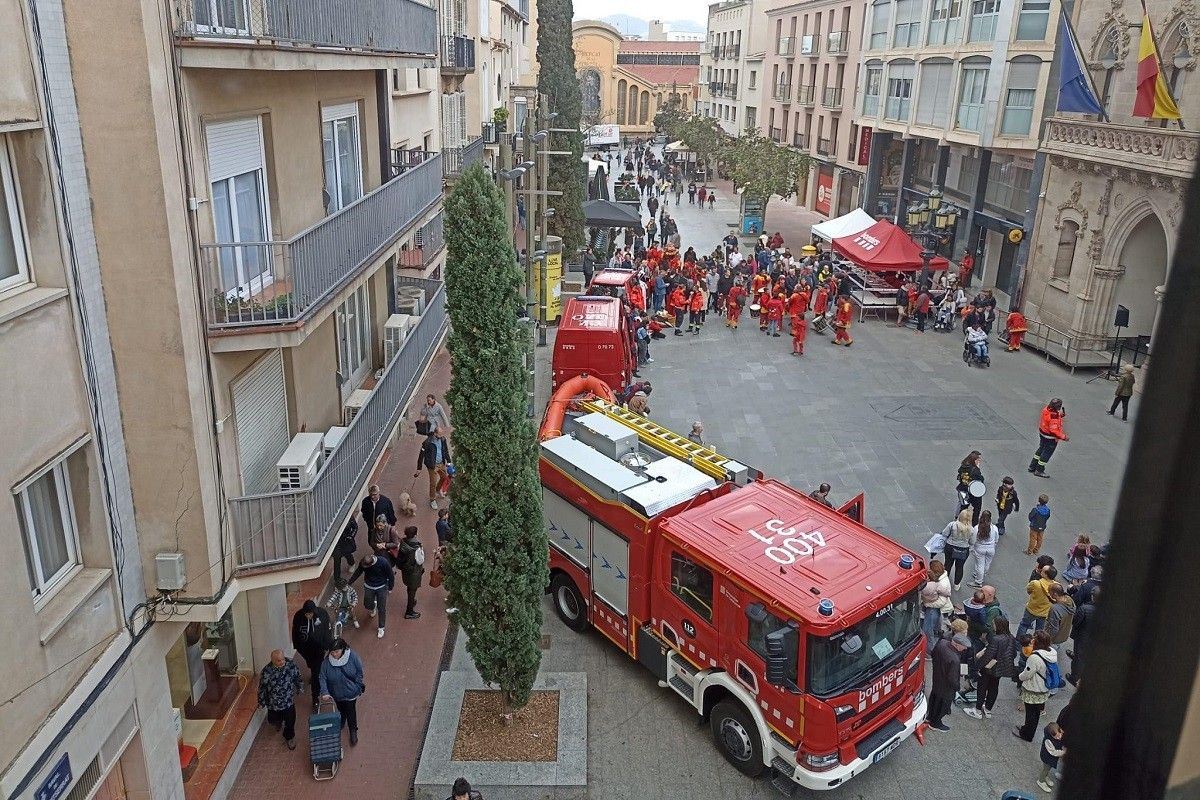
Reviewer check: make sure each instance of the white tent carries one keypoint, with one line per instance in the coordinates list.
(854, 222)
(676, 147)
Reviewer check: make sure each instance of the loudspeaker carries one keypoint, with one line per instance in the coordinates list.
(1122, 317)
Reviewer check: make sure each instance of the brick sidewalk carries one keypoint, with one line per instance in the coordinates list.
(401, 669)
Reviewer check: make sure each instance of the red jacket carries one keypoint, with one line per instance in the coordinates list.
(696, 301)
(822, 301)
(737, 292)
(676, 300)
(1051, 424)
(775, 309)
(797, 302)
(636, 298)
(845, 313)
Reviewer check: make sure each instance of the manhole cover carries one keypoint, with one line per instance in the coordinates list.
(942, 417)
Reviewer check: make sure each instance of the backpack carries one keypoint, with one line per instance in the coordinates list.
(419, 560)
(1054, 678)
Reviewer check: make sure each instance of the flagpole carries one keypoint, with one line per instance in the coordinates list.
(1084, 68)
(1162, 70)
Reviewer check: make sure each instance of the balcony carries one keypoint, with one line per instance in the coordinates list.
(458, 55)
(715, 88)
(824, 147)
(838, 43)
(807, 93)
(523, 8)
(389, 26)
(296, 528)
(729, 91)
(831, 97)
(733, 51)
(428, 241)
(810, 44)
(786, 46)
(491, 133)
(783, 93)
(456, 159)
(799, 141)
(1162, 151)
(255, 284)
(777, 135)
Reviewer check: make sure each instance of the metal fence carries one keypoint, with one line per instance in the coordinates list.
(1071, 350)
(400, 26)
(282, 527)
(427, 243)
(257, 283)
(458, 53)
(457, 159)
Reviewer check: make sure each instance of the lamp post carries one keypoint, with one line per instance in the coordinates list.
(927, 222)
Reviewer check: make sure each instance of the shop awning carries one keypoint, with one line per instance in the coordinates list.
(607, 214)
(845, 225)
(884, 247)
(676, 147)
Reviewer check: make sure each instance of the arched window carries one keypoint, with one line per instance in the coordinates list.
(1109, 56)
(1064, 256)
(622, 97)
(589, 87)
(644, 116)
(634, 94)
(1179, 54)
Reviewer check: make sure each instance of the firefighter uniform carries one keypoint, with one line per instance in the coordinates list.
(842, 319)
(677, 304)
(799, 330)
(733, 305)
(696, 305)
(821, 303)
(1050, 433)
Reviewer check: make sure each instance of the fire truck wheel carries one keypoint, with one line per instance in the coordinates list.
(737, 737)
(569, 603)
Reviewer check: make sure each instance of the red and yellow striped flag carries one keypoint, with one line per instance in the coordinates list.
(1153, 100)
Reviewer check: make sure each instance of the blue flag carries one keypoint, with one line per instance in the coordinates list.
(1074, 89)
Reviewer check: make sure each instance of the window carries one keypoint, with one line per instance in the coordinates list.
(944, 22)
(753, 79)
(1033, 20)
(908, 23)
(343, 159)
(354, 338)
(239, 204)
(14, 265)
(899, 91)
(693, 584)
(844, 659)
(1064, 256)
(47, 519)
(983, 20)
(221, 16)
(1019, 96)
(760, 624)
(872, 88)
(1008, 185)
(881, 19)
(970, 98)
(936, 84)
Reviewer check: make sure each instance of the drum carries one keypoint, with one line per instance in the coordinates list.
(977, 489)
(754, 309)
(819, 323)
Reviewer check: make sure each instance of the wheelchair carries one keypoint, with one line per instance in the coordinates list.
(971, 359)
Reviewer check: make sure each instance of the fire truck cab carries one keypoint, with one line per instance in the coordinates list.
(793, 629)
(613, 282)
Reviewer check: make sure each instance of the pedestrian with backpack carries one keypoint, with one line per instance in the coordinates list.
(411, 562)
(1039, 677)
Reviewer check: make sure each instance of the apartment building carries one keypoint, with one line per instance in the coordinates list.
(264, 207)
(953, 94)
(813, 49)
(731, 64)
(1109, 215)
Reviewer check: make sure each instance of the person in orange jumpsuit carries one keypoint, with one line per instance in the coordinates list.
(733, 305)
(799, 331)
(637, 298)
(842, 319)
(677, 305)
(763, 299)
(821, 302)
(758, 283)
(796, 302)
(773, 313)
(964, 269)
(696, 303)
(1016, 326)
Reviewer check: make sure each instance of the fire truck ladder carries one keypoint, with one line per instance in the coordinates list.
(703, 458)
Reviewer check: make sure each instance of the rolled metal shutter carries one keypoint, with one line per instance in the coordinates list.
(260, 420)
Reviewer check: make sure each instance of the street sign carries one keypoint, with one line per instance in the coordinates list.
(55, 785)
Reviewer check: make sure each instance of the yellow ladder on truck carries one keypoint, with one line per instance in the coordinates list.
(703, 458)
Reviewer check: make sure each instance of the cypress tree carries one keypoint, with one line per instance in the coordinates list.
(560, 85)
(496, 571)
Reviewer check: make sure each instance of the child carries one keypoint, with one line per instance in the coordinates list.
(799, 331)
(342, 600)
(1025, 640)
(1051, 751)
(643, 345)
(1078, 560)
(444, 535)
(1037, 525)
(1006, 501)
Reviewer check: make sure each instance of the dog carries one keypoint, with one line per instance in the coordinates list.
(407, 507)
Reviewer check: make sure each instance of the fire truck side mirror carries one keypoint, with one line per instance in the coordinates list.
(781, 648)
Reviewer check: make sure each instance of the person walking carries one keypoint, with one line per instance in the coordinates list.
(692, 193)
(712, 199)
(1124, 392)
(434, 415)
(1036, 682)
(411, 562)
(383, 538)
(375, 504)
(378, 580)
(461, 790)
(1061, 615)
(960, 537)
(312, 635)
(799, 332)
(1039, 518)
(983, 547)
(278, 684)
(345, 548)
(923, 304)
(1007, 501)
(998, 661)
(935, 604)
(702, 195)
(969, 471)
(434, 455)
(947, 659)
(1050, 433)
(1038, 607)
(343, 682)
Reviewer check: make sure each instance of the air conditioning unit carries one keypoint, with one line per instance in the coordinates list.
(333, 437)
(355, 404)
(395, 331)
(410, 300)
(299, 464)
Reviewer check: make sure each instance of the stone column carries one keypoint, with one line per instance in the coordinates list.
(1102, 285)
(270, 623)
(1160, 292)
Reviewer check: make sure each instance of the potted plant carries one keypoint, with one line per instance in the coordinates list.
(500, 118)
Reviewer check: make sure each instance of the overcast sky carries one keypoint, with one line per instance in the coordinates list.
(696, 10)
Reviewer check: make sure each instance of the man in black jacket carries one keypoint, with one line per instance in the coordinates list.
(410, 559)
(378, 580)
(434, 455)
(947, 656)
(376, 503)
(312, 636)
(346, 546)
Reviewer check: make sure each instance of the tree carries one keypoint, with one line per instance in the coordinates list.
(761, 169)
(670, 118)
(496, 571)
(704, 137)
(559, 84)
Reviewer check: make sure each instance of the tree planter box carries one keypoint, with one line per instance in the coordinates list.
(562, 779)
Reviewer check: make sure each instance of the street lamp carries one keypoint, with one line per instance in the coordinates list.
(927, 222)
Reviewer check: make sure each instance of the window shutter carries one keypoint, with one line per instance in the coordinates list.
(261, 423)
(234, 147)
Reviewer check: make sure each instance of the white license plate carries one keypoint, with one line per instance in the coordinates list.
(884, 751)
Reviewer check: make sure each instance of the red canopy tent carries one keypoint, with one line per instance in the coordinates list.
(884, 247)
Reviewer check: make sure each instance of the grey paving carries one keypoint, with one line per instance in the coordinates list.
(891, 416)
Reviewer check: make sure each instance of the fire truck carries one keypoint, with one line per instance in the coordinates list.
(791, 627)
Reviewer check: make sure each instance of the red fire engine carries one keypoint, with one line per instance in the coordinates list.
(791, 627)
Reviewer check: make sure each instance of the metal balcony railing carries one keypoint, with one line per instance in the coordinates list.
(491, 133)
(786, 46)
(457, 159)
(838, 43)
(427, 243)
(733, 51)
(280, 529)
(806, 94)
(810, 44)
(282, 282)
(783, 92)
(824, 147)
(458, 54)
(715, 88)
(831, 97)
(777, 134)
(398, 26)
(799, 141)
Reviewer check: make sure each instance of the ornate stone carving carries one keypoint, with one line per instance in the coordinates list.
(1174, 211)
(1113, 29)
(1102, 206)
(1073, 204)
(1182, 18)
(1119, 200)
(1109, 273)
(1096, 249)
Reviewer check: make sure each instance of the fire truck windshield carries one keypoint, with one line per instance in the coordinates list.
(846, 659)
